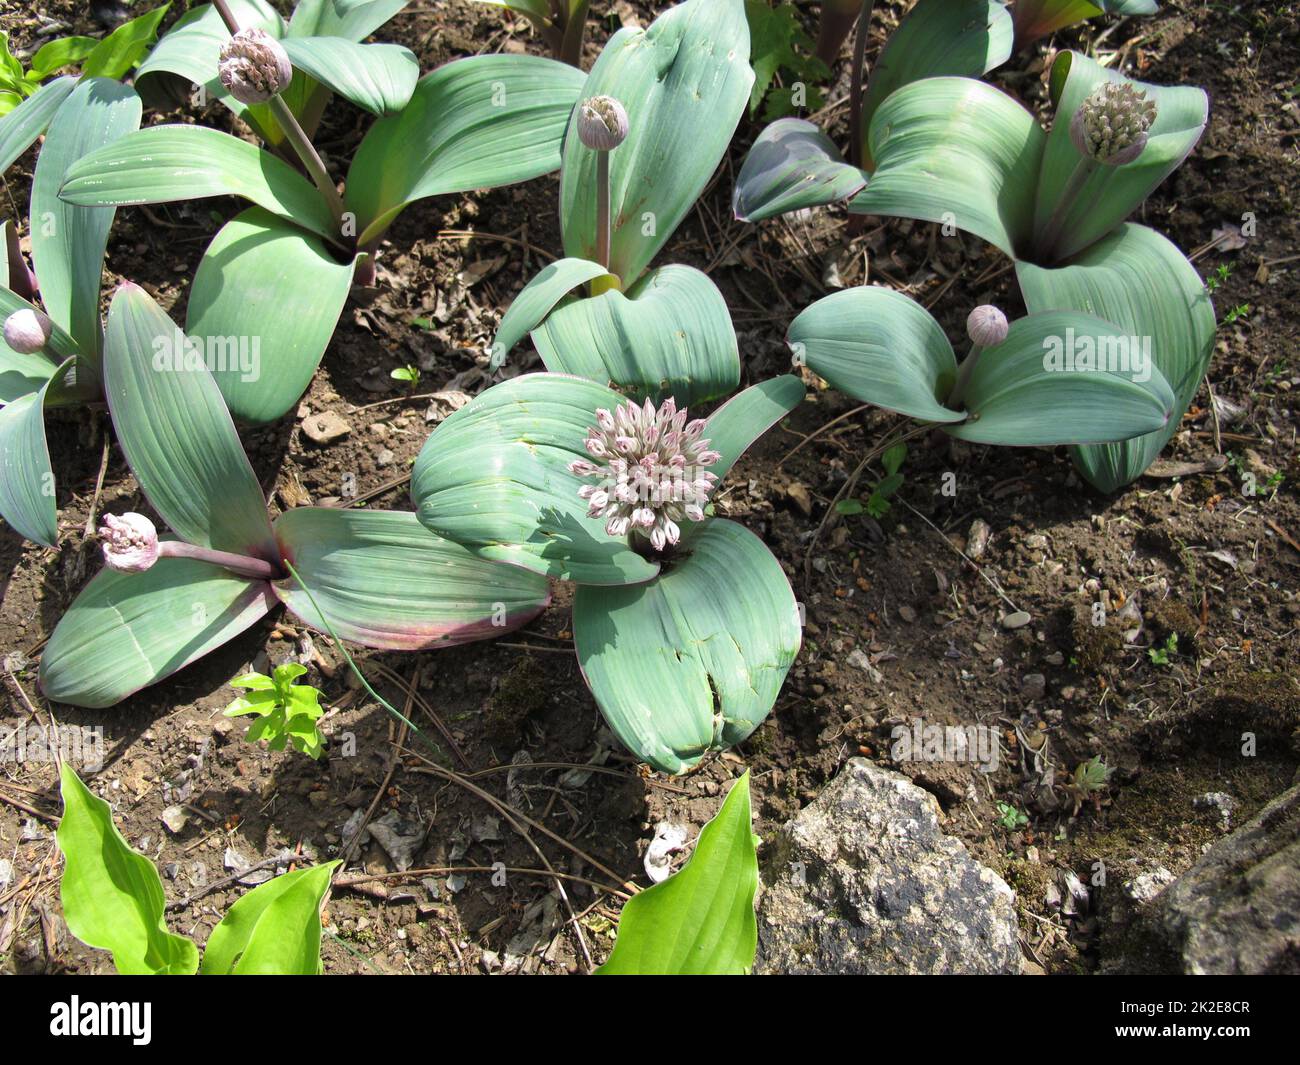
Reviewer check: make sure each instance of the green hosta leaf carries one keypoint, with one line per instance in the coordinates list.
(177, 434)
(126, 631)
(378, 78)
(1112, 192)
(117, 53)
(1140, 281)
(537, 299)
(700, 921)
(68, 242)
(274, 930)
(473, 123)
(670, 335)
(692, 661)
(27, 485)
(165, 163)
(494, 477)
(269, 290)
(21, 126)
(745, 417)
(353, 20)
(684, 82)
(1020, 394)
(938, 38)
(880, 347)
(778, 42)
(383, 580)
(112, 896)
(955, 150)
(792, 165)
(59, 53)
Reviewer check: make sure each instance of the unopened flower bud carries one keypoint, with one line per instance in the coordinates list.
(28, 330)
(253, 66)
(1112, 124)
(602, 123)
(130, 542)
(986, 326)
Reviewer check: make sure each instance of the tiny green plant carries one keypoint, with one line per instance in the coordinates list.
(1237, 313)
(1160, 653)
(1087, 782)
(877, 504)
(113, 900)
(286, 711)
(782, 52)
(410, 373)
(1010, 817)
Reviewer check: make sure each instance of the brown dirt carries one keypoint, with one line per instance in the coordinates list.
(1214, 568)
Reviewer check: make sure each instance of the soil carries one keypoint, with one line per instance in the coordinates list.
(900, 623)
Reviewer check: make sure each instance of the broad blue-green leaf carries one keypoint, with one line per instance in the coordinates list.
(126, 631)
(1112, 192)
(353, 20)
(473, 123)
(494, 477)
(378, 78)
(384, 580)
(1139, 280)
(27, 484)
(700, 921)
(274, 930)
(684, 81)
(670, 335)
(880, 347)
(1027, 391)
(1038, 18)
(176, 432)
(112, 896)
(266, 298)
(692, 661)
(734, 426)
(939, 38)
(792, 165)
(19, 373)
(21, 126)
(958, 151)
(117, 53)
(165, 163)
(68, 242)
(537, 299)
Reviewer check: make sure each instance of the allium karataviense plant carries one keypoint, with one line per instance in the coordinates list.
(379, 579)
(683, 622)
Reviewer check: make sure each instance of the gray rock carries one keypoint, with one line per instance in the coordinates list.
(863, 880)
(1237, 910)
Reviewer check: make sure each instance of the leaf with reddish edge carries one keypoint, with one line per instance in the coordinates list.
(126, 631)
(383, 580)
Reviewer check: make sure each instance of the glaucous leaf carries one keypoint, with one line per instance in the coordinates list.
(939, 38)
(537, 299)
(734, 426)
(68, 242)
(494, 477)
(266, 299)
(1035, 388)
(384, 580)
(881, 347)
(176, 432)
(112, 896)
(1112, 192)
(165, 163)
(670, 335)
(958, 151)
(473, 123)
(353, 20)
(700, 921)
(274, 930)
(20, 373)
(684, 81)
(1137, 279)
(21, 126)
(792, 165)
(26, 476)
(692, 661)
(378, 78)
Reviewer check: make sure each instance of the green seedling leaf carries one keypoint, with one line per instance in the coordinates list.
(117, 53)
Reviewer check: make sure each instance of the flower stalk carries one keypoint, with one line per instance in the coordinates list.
(857, 77)
(987, 327)
(602, 127)
(131, 545)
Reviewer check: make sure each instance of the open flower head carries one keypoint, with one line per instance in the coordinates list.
(648, 467)
(253, 66)
(130, 542)
(1112, 124)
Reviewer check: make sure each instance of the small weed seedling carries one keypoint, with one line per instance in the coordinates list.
(287, 711)
(1160, 655)
(1089, 780)
(1011, 818)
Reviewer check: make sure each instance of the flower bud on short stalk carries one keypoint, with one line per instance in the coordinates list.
(649, 471)
(602, 127)
(28, 330)
(131, 545)
(987, 327)
(253, 66)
